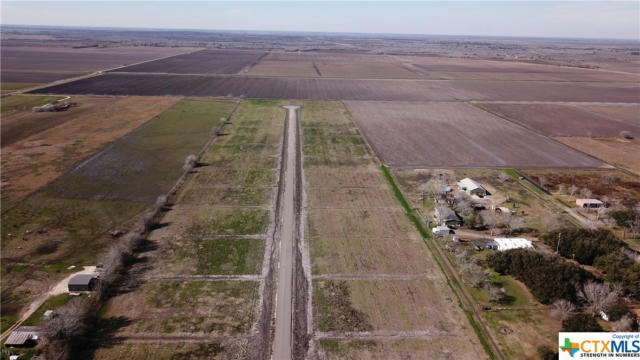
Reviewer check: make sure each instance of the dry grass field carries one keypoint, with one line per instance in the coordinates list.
(358, 231)
(616, 151)
(348, 89)
(43, 64)
(456, 135)
(571, 120)
(201, 62)
(36, 155)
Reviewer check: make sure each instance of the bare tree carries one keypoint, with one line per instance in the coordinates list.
(624, 324)
(491, 220)
(493, 292)
(610, 177)
(503, 177)
(473, 274)
(161, 201)
(586, 193)
(189, 163)
(562, 308)
(431, 187)
(561, 188)
(552, 222)
(542, 180)
(148, 220)
(514, 223)
(573, 189)
(597, 296)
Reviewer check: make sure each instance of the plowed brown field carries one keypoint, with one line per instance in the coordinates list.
(456, 135)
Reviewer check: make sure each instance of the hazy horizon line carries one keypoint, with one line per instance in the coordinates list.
(636, 40)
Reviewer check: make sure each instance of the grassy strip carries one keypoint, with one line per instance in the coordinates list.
(425, 235)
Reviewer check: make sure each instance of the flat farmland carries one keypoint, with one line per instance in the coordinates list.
(347, 89)
(439, 348)
(356, 231)
(477, 69)
(616, 151)
(286, 64)
(571, 120)
(161, 350)
(39, 147)
(339, 65)
(201, 62)
(456, 135)
(43, 64)
(146, 162)
(201, 281)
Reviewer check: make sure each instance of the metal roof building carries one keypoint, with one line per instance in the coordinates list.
(588, 203)
(82, 282)
(504, 244)
(23, 336)
(472, 187)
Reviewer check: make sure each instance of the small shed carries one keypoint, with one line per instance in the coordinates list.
(589, 203)
(441, 230)
(82, 282)
(24, 336)
(472, 188)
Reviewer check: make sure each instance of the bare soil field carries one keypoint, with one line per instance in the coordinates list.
(571, 120)
(285, 64)
(340, 65)
(347, 89)
(477, 69)
(616, 151)
(201, 62)
(35, 159)
(456, 135)
(7, 87)
(42, 64)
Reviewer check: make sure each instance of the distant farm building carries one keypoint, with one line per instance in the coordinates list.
(589, 203)
(446, 216)
(441, 230)
(82, 282)
(472, 188)
(24, 336)
(503, 244)
(54, 106)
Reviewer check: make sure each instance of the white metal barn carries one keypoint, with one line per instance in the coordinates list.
(504, 244)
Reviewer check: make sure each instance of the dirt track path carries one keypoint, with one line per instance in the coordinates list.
(282, 343)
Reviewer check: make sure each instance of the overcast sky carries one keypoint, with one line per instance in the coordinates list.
(585, 19)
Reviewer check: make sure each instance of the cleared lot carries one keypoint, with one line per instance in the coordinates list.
(201, 62)
(456, 135)
(571, 120)
(357, 231)
(348, 89)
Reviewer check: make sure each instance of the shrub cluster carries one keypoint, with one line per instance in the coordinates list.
(583, 245)
(548, 277)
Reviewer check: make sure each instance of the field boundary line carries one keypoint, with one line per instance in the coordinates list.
(247, 277)
(374, 335)
(485, 338)
(380, 277)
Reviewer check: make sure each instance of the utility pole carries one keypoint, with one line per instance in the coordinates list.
(558, 245)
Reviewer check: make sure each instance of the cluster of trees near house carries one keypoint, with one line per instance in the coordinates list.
(602, 249)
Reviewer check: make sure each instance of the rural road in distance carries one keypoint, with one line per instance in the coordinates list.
(287, 231)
